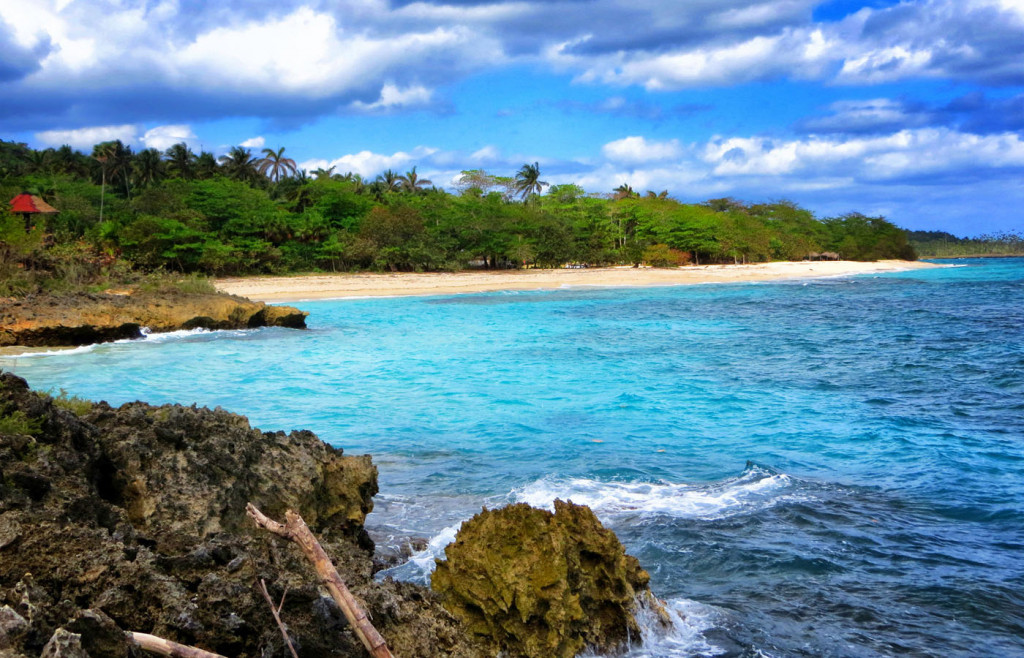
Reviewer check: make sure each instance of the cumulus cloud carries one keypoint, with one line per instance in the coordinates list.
(638, 149)
(86, 138)
(163, 137)
(392, 97)
(369, 164)
(97, 61)
(877, 115)
(253, 142)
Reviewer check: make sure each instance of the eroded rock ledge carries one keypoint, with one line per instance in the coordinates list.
(84, 318)
(133, 518)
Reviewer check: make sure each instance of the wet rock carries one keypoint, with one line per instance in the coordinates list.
(85, 318)
(535, 583)
(142, 527)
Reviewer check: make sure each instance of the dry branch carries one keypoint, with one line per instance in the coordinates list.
(164, 647)
(277, 616)
(296, 530)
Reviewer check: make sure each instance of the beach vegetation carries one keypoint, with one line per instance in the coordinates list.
(180, 212)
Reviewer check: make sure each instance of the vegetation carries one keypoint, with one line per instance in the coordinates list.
(181, 212)
(939, 244)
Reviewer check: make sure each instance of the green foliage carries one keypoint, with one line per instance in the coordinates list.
(938, 244)
(662, 255)
(125, 213)
(76, 405)
(16, 422)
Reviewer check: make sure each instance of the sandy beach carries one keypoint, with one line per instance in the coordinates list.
(335, 286)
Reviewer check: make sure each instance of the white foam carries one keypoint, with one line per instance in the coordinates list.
(421, 564)
(754, 490)
(147, 337)
(58, 352)
(684, 637)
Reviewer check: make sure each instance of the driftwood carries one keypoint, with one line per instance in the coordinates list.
(296, 530)
(164, 647)
(276, 611)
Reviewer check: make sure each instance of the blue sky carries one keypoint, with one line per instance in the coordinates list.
(913, 110)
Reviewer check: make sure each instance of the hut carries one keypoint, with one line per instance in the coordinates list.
(27, 205)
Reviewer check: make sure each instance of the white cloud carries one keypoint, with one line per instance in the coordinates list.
(368, 163)
(392, 97)
(86, 138)
(163, 137)
(638, 149)
(254, 143)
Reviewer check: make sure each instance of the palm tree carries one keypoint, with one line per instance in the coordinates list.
(206, 165)
(323, 174)
(68, 160)
(102, 153)
(239, 164)
(624, 191)
(119, 163)
(273, 164)
(149, 167)
(412, 182)
(389, 180)
(181, 160)
(528, 180)
(651, 194)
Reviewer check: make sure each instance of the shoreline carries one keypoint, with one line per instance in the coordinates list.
(309, 287)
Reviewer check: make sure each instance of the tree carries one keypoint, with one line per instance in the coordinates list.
(273, 164)
(323, 174)
(149, 167)
(624, 191)
(103, 153)
(411, 182)
(206, 165)
(390, 180)
(239, 164)
(528, 180)
(181, 161)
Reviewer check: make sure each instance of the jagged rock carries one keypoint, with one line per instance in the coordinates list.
(84, 318)
(64, 644)
(132, 518)
(540, 584)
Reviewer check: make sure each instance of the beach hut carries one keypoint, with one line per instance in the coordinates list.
(27, 205)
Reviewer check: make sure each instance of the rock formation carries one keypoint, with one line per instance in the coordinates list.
(83, 318)
(536, 584)
(134, 519)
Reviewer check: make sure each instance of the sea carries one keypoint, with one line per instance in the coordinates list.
(824, 467)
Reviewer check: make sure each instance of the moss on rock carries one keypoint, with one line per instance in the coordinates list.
(535, 583)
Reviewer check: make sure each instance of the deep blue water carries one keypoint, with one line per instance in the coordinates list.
(828, 467)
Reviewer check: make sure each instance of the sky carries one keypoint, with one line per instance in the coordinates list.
(910, 110)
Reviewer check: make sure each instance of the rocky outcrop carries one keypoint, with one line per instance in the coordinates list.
(83, 318)
(133, 518)
(534, 583)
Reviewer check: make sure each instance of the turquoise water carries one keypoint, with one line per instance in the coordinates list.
(827, 467)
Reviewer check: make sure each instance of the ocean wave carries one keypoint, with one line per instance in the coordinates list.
(684, 638)
(421, 564)
(148, 336)
(756, 489)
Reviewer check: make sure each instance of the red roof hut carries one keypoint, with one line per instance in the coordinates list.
(28, 205)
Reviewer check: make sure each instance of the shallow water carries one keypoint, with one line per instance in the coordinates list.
(827, 467)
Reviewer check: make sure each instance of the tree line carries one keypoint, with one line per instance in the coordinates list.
(244, 213)
(940, 244)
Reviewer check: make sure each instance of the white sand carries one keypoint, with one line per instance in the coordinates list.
(330, 286)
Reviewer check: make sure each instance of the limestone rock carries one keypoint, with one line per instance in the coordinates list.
(539, 584)
(83, 318)
(133, 519)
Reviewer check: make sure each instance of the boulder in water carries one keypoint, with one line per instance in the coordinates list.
(535, 583)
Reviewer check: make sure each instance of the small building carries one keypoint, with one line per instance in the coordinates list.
(27, 205)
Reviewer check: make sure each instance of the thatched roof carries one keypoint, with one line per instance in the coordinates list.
(28, 203)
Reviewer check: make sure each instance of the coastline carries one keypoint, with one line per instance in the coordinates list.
(307, 287)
